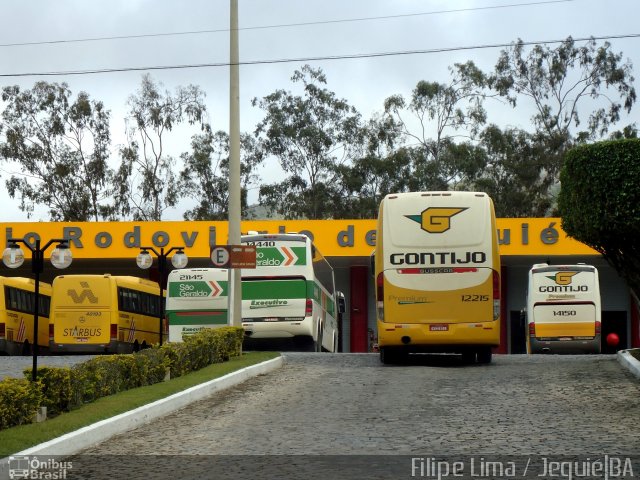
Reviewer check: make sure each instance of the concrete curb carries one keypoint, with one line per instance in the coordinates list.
(629, 362)
(85, 437)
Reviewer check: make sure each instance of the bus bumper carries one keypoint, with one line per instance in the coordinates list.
(91, 348)
(278, 329)
(439, 338)
(568, 346)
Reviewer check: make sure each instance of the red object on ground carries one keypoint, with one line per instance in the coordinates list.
(613, 339)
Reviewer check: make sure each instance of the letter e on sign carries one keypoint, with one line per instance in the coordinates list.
(220, 256)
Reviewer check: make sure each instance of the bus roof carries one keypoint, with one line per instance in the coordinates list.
(124, 280)
(437, 219)
(545, 267)
(275, 237)
(24, 282)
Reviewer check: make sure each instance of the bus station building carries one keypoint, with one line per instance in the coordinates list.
(112, 247)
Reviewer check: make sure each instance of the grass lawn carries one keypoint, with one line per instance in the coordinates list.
(19, 438)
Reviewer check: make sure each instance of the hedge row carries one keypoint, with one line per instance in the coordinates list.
(61, 389)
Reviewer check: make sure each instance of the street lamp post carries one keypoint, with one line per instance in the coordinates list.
(13, 257)
(144, 260)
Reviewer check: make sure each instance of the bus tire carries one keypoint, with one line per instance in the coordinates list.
(469, 356)
(318, 342)
(389, 356)
(484, 356)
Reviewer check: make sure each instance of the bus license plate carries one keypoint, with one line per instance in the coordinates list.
(438, 328)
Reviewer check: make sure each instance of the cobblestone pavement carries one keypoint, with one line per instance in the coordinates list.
(343, 404)
(14, 366)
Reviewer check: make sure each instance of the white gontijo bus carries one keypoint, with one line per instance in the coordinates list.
(197, 298)
(290, 294)
(563, 309)
(437, 275)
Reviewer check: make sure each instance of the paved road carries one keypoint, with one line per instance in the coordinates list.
(334, 408)
(14, 366)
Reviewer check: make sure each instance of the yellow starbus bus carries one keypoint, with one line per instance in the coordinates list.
(104, 314)
(563, 309)
(17, 296)
(437, 275)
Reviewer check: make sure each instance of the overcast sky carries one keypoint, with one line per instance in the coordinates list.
(39, 36)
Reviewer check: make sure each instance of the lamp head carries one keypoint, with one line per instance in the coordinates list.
(13, 256)
(144, 260)
(179, 259)
(61, 256)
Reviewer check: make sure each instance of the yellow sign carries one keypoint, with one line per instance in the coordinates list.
(334, 238)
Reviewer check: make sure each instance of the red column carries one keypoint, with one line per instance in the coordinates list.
(358, 309)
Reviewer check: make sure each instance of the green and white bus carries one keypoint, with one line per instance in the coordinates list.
(290, 295)
(197, 298)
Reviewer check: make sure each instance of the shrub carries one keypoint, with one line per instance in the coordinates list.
(60, 389)
(55, 385)
(19, 401)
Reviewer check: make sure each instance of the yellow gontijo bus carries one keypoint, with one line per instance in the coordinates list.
(17, 295)
(563, 309)
(104, 314)
(437, 275)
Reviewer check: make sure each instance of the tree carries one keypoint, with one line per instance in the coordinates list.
(380, 169)
(513, 173)
(599, 202)
(433, 118)
(62, 146)
(557, 81)
(205, 177)
(310, 135)
(148, 184)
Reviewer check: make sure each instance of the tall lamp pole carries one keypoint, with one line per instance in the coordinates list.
(13, 257)
(144, 260)
(235, 208)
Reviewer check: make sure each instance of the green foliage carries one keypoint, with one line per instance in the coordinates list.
(205, 175)
(62, 389)
(62, 147)
(55, 384)
(21, 437)
(446, 111)
(600, 202)
(19, 401)
(310, 135)
(148, 184)
(559, 79)
(514, 173)
(557, 82)
(204, 348)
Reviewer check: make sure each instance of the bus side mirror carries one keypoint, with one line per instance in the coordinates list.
(342, 303)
